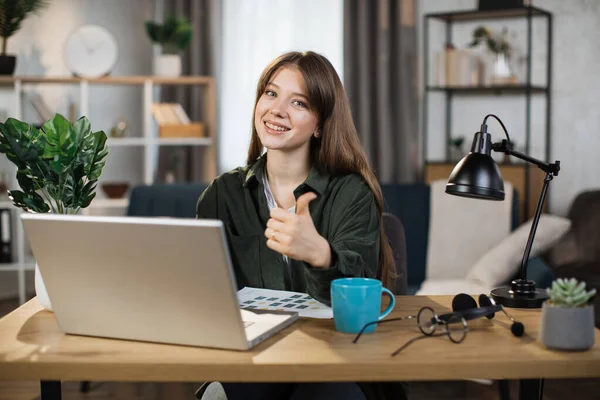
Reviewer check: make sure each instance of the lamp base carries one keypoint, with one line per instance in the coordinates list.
(521, 294)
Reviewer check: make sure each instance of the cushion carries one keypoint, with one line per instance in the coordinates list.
(452, 287)
(503, 261)
(461, 230)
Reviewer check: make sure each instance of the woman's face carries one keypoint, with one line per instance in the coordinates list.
(282, 116)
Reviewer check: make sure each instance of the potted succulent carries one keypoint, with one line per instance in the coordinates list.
(12, 14)
(173, 36)
(568, 316)
(58, 167)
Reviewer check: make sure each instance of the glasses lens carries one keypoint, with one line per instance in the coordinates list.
(457, 328)
(427, 320)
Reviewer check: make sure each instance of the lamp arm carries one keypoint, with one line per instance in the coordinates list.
(549, 168)
(506, 148)
(534, 225)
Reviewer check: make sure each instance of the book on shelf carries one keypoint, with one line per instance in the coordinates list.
(173, 122)
(169, 114)
(458, 68)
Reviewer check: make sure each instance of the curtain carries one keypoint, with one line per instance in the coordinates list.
(380, 76)
(200, 58)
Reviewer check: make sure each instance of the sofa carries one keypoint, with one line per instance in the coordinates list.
(577, 254)
(410, 203)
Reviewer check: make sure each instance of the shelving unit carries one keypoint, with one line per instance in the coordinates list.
(527, 180)
(149, 142)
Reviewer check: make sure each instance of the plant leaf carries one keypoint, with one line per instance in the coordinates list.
(28, 201)
(88, 194)
(99, 153)
(154, 32)
(20, 142)
(62, 145)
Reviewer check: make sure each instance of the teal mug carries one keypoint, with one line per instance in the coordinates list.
(356, 302)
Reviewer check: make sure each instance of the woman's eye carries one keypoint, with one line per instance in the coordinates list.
(300, 103)
(270, 93)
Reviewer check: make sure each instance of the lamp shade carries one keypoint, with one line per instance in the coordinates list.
(476, 176)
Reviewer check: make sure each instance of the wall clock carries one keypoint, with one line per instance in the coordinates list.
(91, 51)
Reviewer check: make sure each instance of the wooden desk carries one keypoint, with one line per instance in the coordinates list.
(33, 348)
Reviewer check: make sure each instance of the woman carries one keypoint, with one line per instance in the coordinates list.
(308, 210)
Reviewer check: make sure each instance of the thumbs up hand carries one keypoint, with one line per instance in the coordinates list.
(295, 235)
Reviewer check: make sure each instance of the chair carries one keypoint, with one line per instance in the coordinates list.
(394, 230)
(165, 200)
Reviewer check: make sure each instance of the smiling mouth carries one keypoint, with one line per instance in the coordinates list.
(277, 128)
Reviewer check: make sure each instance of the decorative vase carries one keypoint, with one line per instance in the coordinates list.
(167, 65)
(40, 290)
(565, 328)
(501, 71)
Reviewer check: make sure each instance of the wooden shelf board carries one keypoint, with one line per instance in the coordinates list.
(125, 141)
(487, 89)
(110, 80)
(183, 141)
(472, 15)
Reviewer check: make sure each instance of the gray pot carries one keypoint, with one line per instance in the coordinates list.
(567, 328)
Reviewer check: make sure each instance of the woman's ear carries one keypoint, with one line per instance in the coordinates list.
(317, 134)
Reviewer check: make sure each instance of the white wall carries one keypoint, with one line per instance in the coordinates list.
(255, 32)
(575, 121)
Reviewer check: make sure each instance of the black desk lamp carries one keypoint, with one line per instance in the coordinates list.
(477, 176)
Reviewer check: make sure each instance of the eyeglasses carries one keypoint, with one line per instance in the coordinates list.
(453, 325)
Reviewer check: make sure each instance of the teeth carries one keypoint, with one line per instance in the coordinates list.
(276, 128)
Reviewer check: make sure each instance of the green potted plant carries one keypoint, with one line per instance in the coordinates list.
(58, 167)
(173, 36)
(568, 316)
(456, 148)
(12, 14)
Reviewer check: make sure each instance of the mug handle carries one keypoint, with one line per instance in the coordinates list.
(390, 307)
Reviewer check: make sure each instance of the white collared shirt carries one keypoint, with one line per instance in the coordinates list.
(271, 200)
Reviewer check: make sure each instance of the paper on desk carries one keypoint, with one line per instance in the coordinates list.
(267, 299)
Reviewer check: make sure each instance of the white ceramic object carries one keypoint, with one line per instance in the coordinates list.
(40, 290)
(501, 68)
(167, 65)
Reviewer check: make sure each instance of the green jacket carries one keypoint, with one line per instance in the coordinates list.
(344, 213)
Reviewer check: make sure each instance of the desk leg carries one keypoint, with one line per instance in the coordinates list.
(530, 389)
(51, 390)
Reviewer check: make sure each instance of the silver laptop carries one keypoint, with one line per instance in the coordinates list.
(162, 280)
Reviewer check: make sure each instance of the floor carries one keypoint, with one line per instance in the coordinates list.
(585, 389)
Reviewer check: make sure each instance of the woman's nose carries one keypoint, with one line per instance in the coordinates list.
(278, 110)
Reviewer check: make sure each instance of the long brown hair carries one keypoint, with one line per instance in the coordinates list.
(337, 150)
